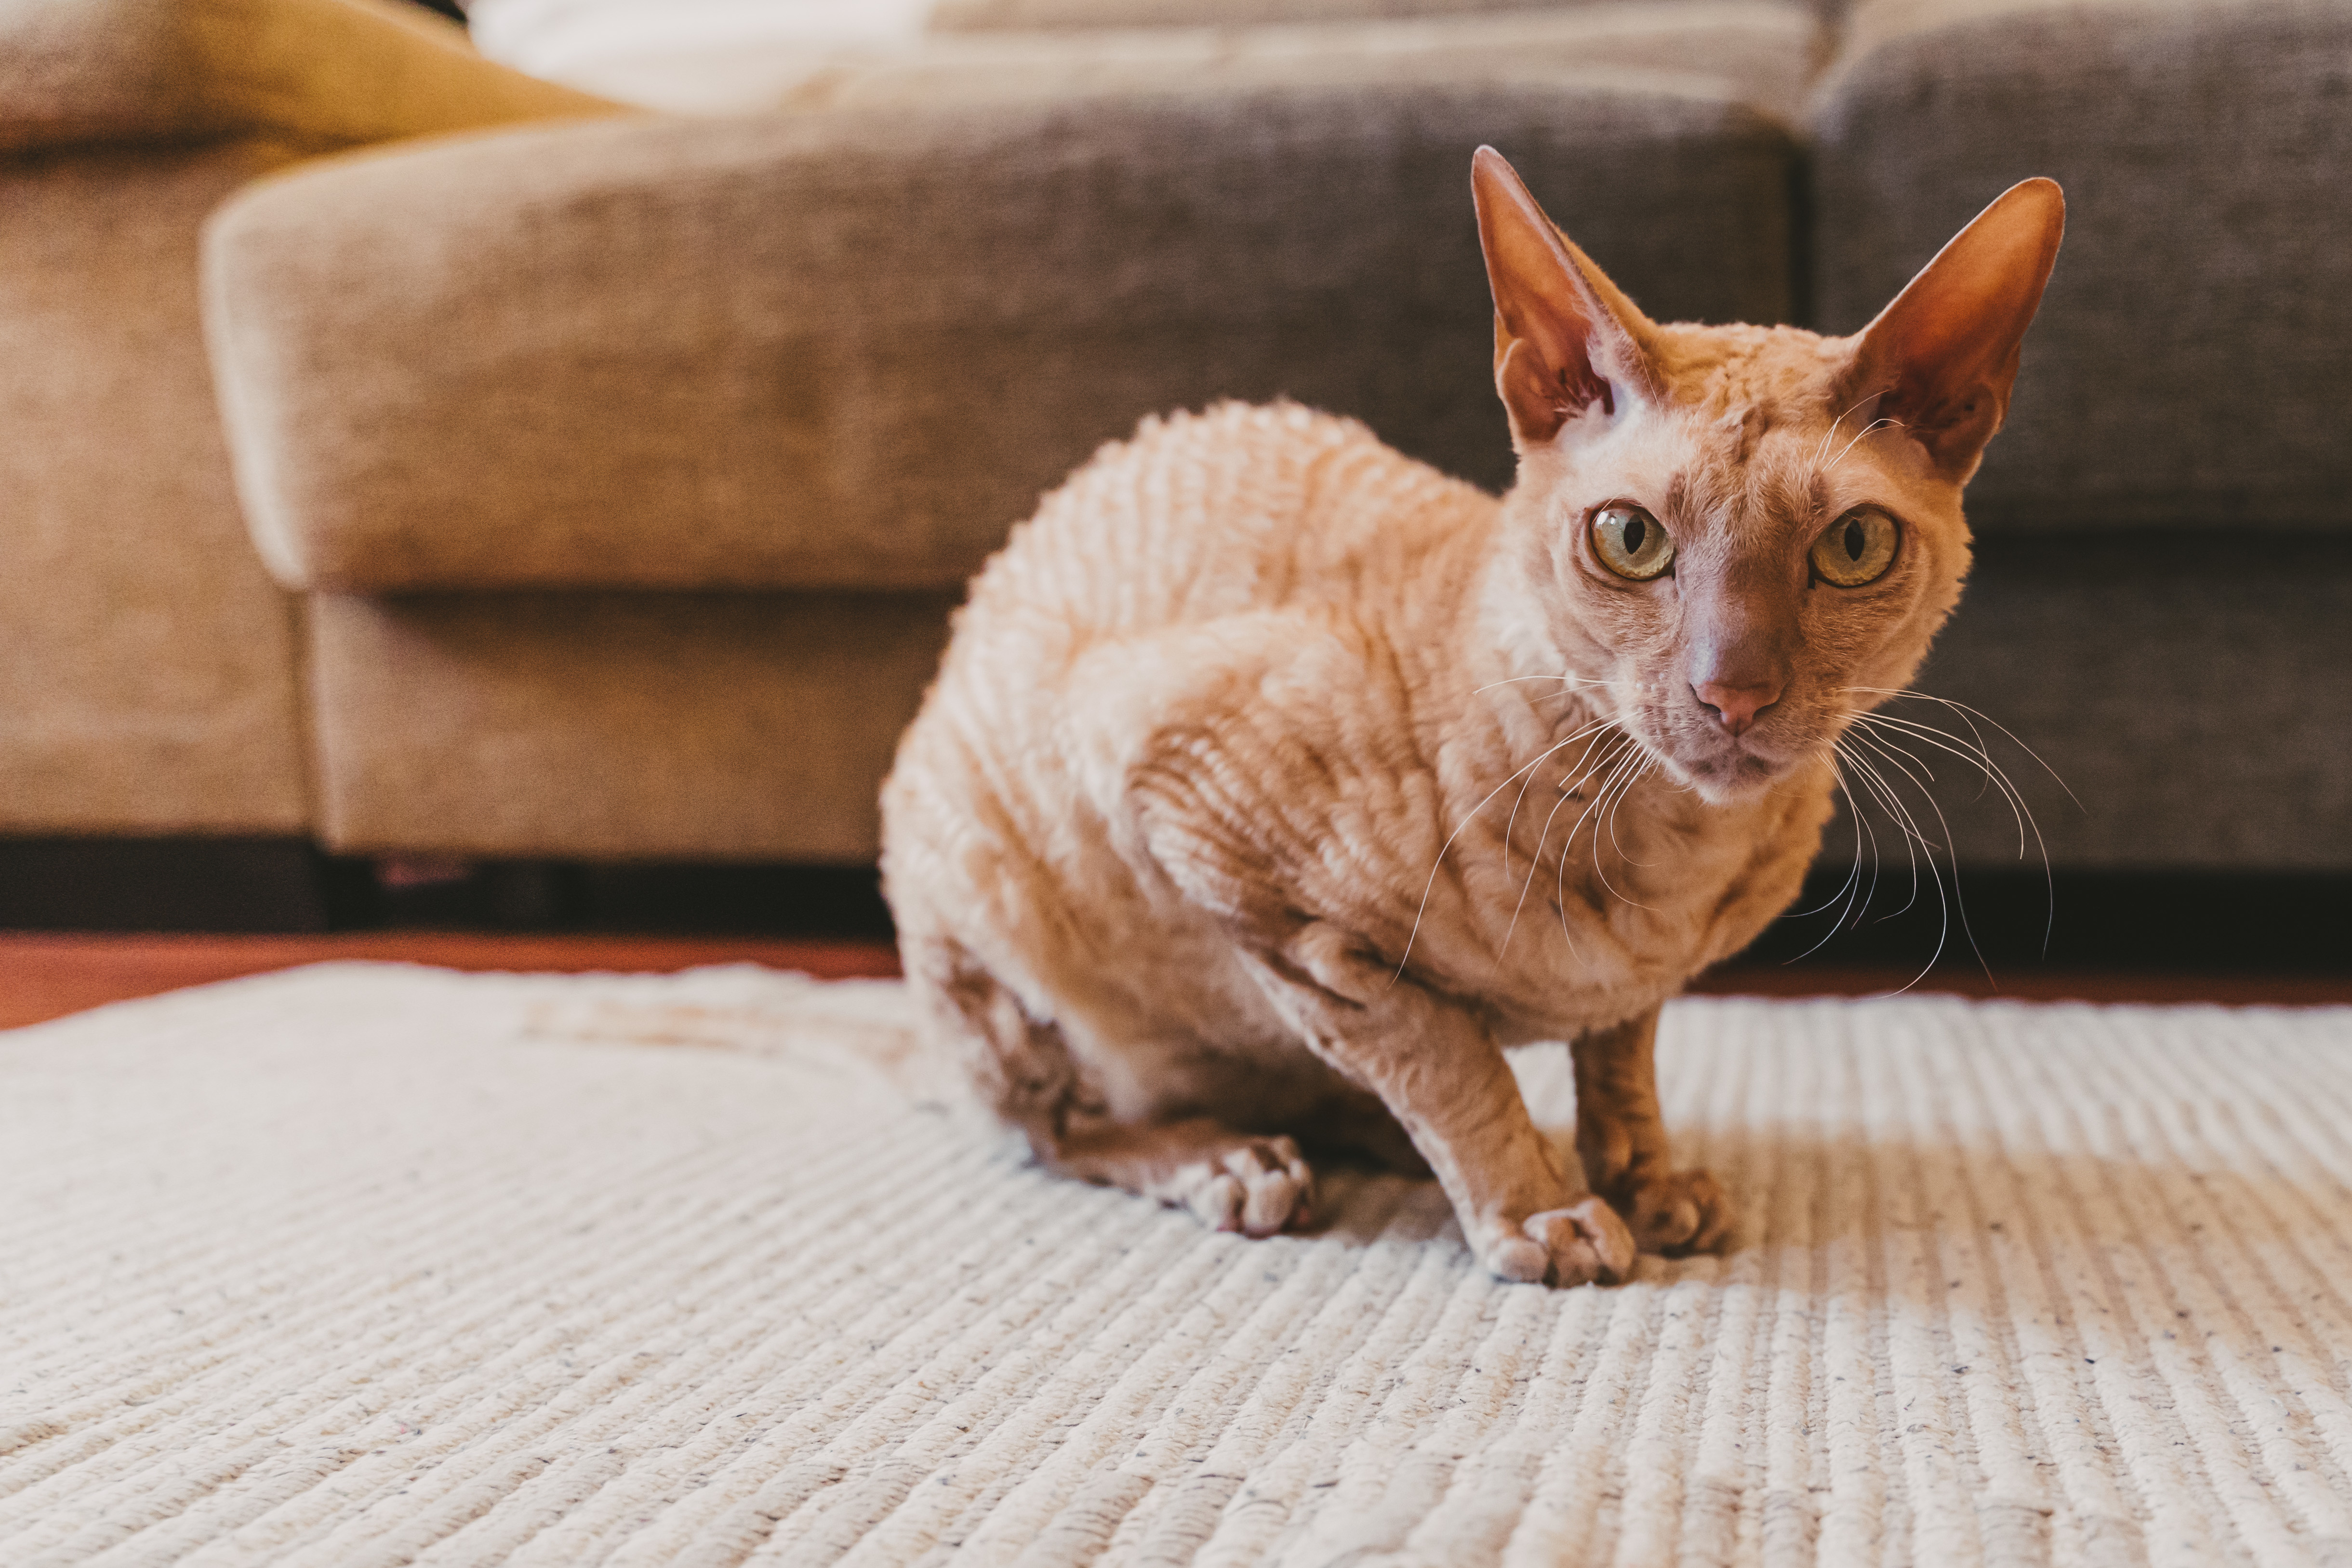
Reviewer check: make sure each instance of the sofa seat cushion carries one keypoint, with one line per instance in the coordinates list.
(2192, 361)
(614, 726)
(853, 349)
(2197, 708)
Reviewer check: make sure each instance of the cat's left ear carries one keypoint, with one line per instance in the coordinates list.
(1565, 338)
(1941, 359)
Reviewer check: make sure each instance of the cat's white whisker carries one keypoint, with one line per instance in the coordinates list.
(1838, 777)
(1646, 763)
(1607, 769)
(1878, 788)
(1994, 776)
(1971, 714)
(1881, 790)
(1634, 757)
(1535, 864)
(1829, 435)
(1896, 757)
(1976, 734)
(1439, 863)
(1511, 823)
(1875, 425)
(1573, 681)
(1847, 889)
(1958, 903)
(1976, 756)
(1981, 757)
(1606, 772)
(1869, 893)
(1915, 842)
(1610, 761)
(1640, 766)
(1990, 773)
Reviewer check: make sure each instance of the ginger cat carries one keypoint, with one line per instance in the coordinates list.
(1230, 826)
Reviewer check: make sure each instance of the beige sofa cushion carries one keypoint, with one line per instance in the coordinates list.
(615, 726)
(309, 73)
(851, 349)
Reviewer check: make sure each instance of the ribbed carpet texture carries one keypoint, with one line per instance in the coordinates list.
(369, 1265)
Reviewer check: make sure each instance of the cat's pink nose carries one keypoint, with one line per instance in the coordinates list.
(1736, 707)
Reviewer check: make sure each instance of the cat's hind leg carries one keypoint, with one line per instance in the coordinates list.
(1022, 1069)
(1229, 1180)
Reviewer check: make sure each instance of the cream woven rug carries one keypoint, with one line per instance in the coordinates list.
(366, 1265)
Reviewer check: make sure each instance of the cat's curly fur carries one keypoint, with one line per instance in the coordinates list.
(1273, 784)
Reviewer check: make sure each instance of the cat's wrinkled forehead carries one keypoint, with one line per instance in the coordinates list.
(1734, 386)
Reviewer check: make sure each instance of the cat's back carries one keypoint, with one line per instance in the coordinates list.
(1238, 509)
(1106, 614)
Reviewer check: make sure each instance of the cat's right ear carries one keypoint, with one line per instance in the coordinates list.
(1940, 361)
(1565, 338)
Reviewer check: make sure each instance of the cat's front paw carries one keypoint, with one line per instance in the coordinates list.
(1677, 1214)
(1578, 1245)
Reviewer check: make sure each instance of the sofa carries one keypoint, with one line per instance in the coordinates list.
(582, 485)
(150, 670)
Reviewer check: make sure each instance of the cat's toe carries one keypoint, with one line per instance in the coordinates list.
(1216, 1200)
(1522, 1260)
(1261, 1188)
(1584, 1244)
(1680, 1213)
(1279, 1188)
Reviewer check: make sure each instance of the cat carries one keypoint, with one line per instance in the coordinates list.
(1225, 837)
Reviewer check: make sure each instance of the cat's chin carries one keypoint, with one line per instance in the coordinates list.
(1733, 775)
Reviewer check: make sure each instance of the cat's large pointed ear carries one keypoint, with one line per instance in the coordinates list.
(1565, 338)
(1941, 359)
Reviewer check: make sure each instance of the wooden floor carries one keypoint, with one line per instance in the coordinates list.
(47, 975)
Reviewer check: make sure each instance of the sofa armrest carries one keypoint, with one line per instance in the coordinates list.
(850, 349)
(316, 74)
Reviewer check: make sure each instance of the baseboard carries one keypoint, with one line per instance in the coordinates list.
(2012, 923)
(242, 884)
(2020, 921)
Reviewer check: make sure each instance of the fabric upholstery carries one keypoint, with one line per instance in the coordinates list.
(314, 73)
(759, 726)
(615, 726)
(972, 16)
(2196, 702)
(851, 350)
(740, 61)
(147, 665)
(2192, 361)
(581, 40)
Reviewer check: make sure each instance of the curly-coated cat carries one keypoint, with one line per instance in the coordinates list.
(1273, 784)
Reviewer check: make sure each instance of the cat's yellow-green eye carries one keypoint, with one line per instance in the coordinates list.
(1857, 548)
(1631, 543)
